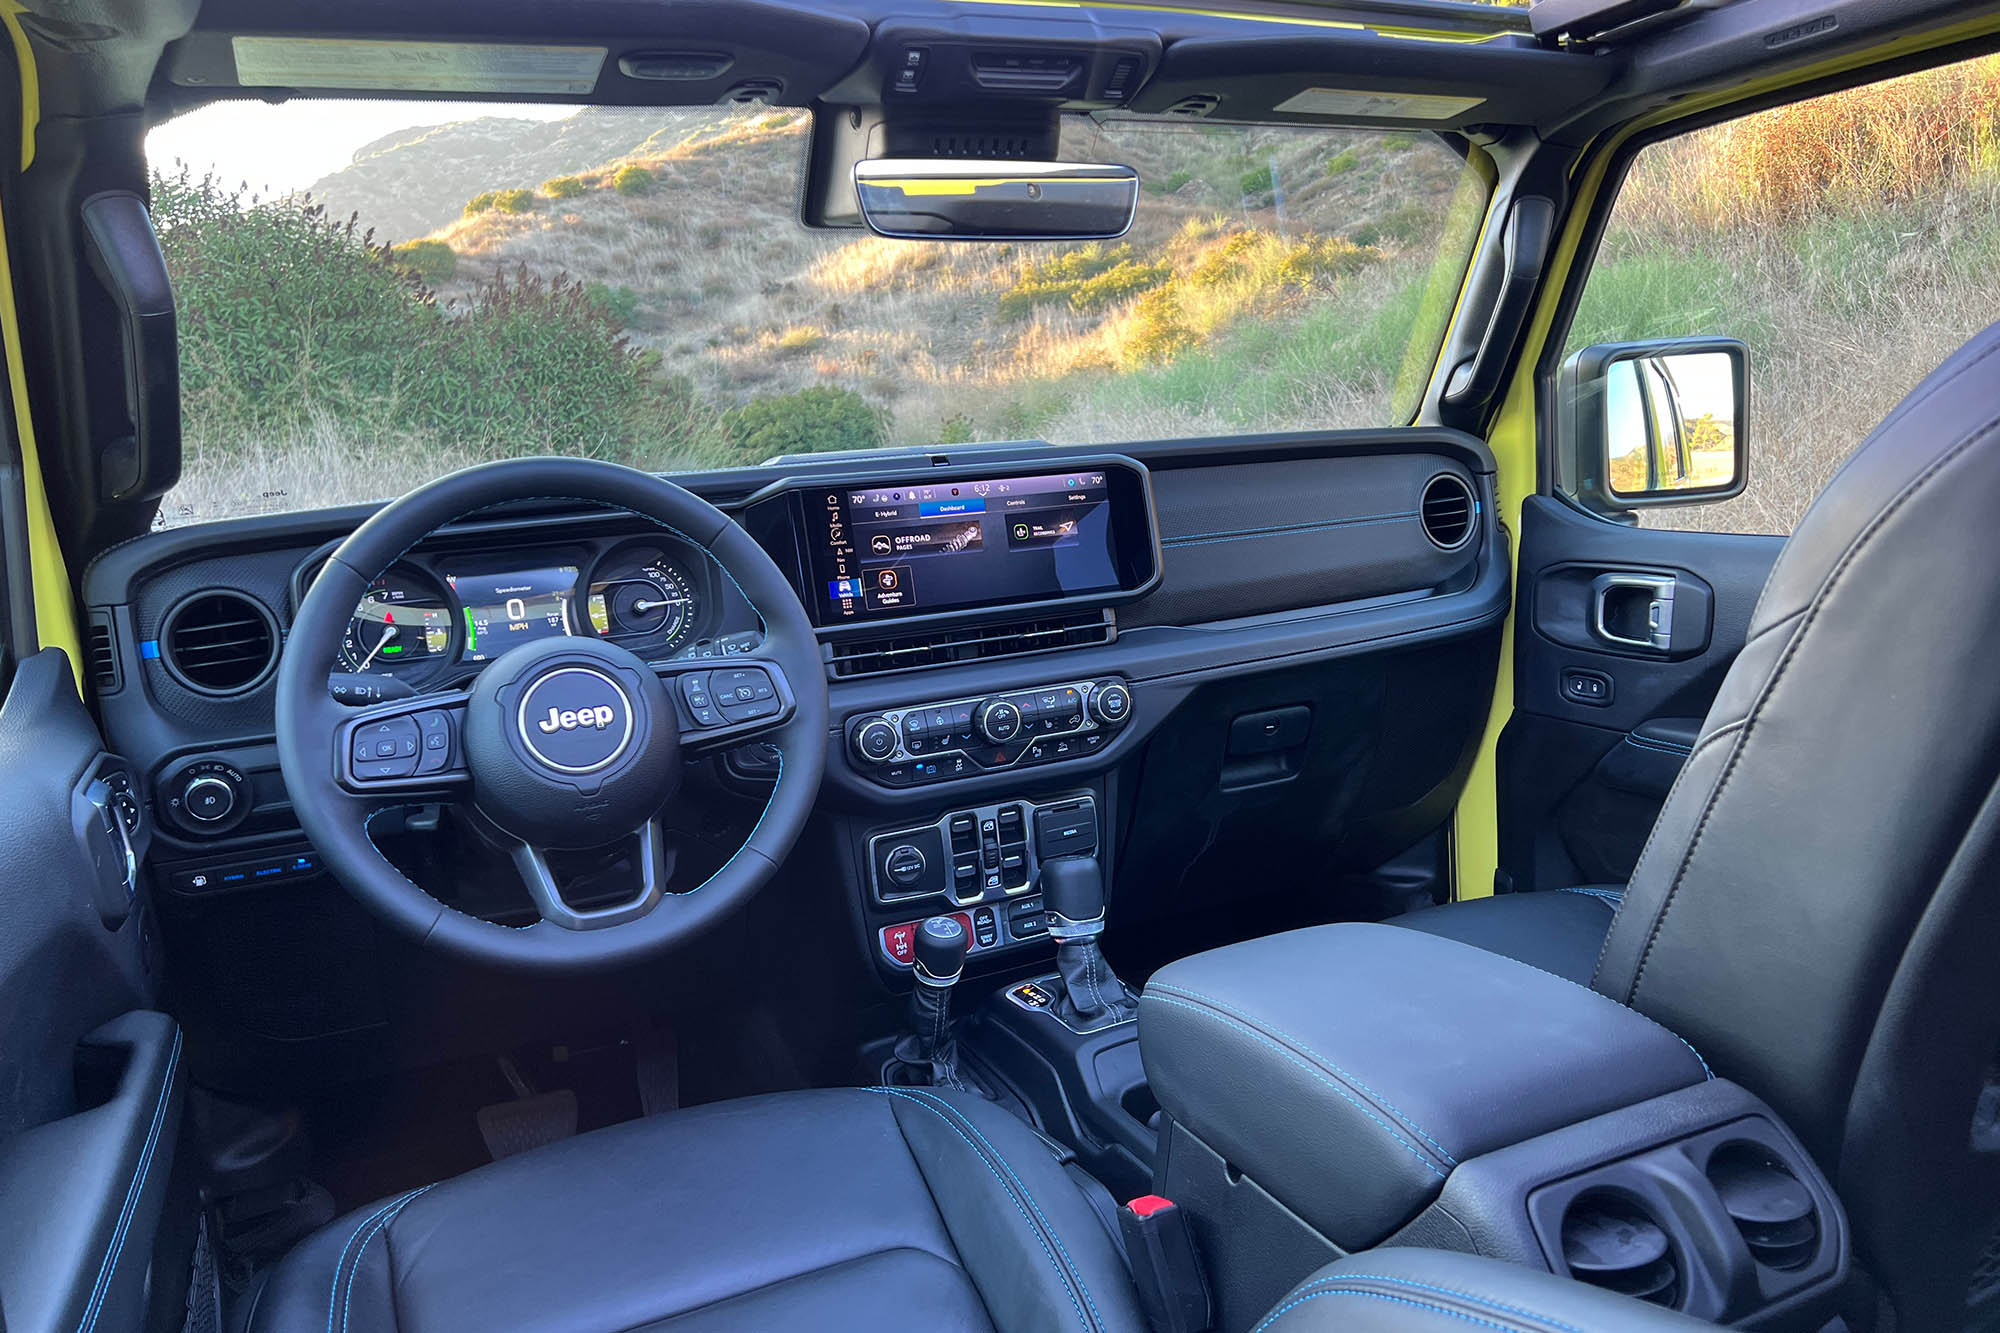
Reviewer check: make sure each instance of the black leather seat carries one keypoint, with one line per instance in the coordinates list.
(826, 1210)
(1816, 907)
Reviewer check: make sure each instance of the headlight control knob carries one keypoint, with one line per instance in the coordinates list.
(208, 800)
(875, 740)
(999, 721)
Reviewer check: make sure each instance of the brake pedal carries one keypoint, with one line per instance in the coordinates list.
(532, 1120)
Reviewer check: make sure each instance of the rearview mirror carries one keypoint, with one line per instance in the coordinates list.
(1657, 423)
(956, 200)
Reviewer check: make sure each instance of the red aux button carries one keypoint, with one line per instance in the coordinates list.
(900, 942)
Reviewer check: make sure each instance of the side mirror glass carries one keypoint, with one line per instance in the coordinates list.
(957, 200)
(1657, 423)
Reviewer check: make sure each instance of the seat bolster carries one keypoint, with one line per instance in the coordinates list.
(1039, 1254)
(1561, 932)
(1442, 1291)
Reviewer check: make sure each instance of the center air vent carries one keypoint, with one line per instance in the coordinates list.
(1447, 511)
(971, 643)
(1609, 1242)
(219, 642)
(1768, 1204)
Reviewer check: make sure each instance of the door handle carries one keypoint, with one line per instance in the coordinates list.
(1642, 604)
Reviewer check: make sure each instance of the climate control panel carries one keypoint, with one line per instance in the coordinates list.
(957, 738)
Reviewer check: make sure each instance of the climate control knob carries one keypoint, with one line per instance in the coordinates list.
(999, 721)
(1111, 703)
(875, 740)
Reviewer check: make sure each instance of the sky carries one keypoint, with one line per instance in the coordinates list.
(275, 148)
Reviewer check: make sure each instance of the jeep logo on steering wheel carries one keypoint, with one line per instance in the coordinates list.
(599, 717)
(575, 719)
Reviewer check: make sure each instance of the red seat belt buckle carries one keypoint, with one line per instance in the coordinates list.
(1173, 1291)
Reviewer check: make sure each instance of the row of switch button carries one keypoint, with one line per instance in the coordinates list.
(402, 747)
(236, 874)
(982, 924)
(988, 855)
(735, 694)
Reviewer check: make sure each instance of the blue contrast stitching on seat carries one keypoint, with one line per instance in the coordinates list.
(1706, 1072)
(1276, 1314)
(1282, 529)
(1358, 1084)
(1068, 1286)
(1664, 747)
(1616, 896)
(333, 1288)
(347, 1300)
(1248, 536)
(1076, 1270)
(1152, 994)
(1476, 1299)
(108, 1267)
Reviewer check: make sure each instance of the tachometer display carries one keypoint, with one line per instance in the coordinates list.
(639, 592)
(401, 625)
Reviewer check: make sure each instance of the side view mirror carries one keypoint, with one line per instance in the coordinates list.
(1656, 423)
(951, 199)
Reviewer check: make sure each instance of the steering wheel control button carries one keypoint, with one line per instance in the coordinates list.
(434, 728)
(576, 719)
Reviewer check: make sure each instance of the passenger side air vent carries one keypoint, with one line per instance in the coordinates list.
(105, 672)
(219, 643)
(1447, 511)
(1608, 1241)
(1768, 1204)
(971, 643)
(1195, 107)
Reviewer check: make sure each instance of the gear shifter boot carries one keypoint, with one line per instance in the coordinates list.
(927, 1047)
(1091, 995)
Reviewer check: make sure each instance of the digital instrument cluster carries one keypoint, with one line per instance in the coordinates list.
(421, 618)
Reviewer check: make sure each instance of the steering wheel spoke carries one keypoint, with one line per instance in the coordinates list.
(652, 856)
(724, 702)
(404, 748)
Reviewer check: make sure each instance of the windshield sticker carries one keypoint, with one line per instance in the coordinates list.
(432, 67)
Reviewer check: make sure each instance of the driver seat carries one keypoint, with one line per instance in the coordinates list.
(830, 1210)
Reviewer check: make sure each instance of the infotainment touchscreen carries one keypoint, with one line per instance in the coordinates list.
(899, 549)
(510, 606)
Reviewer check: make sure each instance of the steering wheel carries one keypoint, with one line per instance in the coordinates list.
(562, 743)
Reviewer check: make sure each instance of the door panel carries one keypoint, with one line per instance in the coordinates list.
(89, 1078)
(1625, 634)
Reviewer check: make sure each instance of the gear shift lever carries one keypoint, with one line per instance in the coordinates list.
(1072, 889)
(928, 1046)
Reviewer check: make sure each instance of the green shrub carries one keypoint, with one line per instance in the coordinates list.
(432, 261)
(1159, 331)
(1343, 162)
(1087, 279)
(821, 419)
(514, 201)
(633, 180)
(957, 429)
(564, 187)
(481, 203)
(1261, 181)
(530, 364)
(619, 304)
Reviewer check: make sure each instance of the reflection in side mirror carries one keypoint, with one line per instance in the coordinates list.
(953, 199)
(1657, 423)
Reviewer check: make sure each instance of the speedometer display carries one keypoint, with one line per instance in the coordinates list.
(402, 626)
(640, 593)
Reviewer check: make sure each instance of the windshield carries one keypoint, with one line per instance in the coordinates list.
(374, 294)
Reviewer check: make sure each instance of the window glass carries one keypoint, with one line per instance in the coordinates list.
(1852, 241)
(373, 294)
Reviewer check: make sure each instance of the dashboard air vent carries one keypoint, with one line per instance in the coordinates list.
(219, 642)
(1447, 511)
(105, 672)
(971, 643)
(1195, 107)
(1609, 1242)
(1768, 1204)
